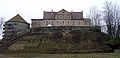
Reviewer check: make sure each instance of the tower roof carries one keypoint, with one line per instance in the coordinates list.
(17, 18)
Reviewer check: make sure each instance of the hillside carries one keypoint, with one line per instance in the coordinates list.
(79, 41)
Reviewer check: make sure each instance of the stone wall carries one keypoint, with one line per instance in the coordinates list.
(63, 29)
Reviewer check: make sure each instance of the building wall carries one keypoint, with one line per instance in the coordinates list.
(17, 25)
(45, 23)
(63, 15)
(14, 28)
(61, 18)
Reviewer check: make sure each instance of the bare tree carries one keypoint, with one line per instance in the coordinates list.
(2, 21)
(94, 15)
(111, 16)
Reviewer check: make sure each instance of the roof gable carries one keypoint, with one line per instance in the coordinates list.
(17, 18)
(63, 10)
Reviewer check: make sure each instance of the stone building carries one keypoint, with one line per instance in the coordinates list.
(61, 18)
(14, 26)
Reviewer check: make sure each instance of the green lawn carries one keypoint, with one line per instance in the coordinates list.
(92, 55)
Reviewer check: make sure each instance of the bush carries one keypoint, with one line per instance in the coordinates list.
(113, 42)
(67, 42)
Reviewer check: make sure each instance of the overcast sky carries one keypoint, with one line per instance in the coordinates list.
(33, 9)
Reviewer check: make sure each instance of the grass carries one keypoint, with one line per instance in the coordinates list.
(91, 55)
(61, 42)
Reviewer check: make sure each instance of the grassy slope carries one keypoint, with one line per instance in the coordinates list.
(62, 42)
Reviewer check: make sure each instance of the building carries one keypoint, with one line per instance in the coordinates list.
(14, 26)
(61, 18)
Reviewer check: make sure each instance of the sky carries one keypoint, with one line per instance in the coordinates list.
(33, 9)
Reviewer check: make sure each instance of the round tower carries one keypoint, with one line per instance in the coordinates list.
(14, 27)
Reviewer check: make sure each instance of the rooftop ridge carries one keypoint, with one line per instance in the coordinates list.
(17, 18)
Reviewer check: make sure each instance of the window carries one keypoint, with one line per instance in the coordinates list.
(52, 22)
(60, 23)
(15, 24)
(57, 22)
(59, 16)
(68, 22)
(63, 12)
(46, 21)
(73, 23)
(56, 16)
(79, 22)
(68, 15)
(10, 25)
(85, 21)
